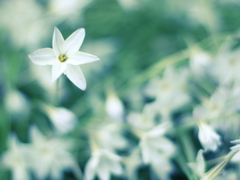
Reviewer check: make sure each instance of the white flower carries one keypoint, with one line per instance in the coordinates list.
(200, 62)
(65, 57)
(213, 107)
(199, 166)
(144, 120)
(65, 7)
(114, 107)
(170, 91)
(31, 12)
(16, 104)
(208, 138)
(63, 119)
(157, 150)
(228, 64)
(129, 4)
(103, 163)
(52, 156)
(105, 48)
(70, 11)
(155, 146)
(111, 137)
(15, 159)
(162, 169)
(172, 83)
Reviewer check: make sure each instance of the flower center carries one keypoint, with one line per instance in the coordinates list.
(62, 58)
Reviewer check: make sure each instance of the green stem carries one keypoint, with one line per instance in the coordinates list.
(57, 100)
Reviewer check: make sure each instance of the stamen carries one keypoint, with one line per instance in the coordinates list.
(62, 58)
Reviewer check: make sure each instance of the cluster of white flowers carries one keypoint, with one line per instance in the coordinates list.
(190, 106)
(35, 22)
(154, 126)
(45, 157)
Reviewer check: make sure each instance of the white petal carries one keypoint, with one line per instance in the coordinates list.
(91, 168)
(36, 135)
(235, 141)
(160, 129)
(116, 167)
(200, 162)
(13, 142)
(78, 58)
(103, 172)
(44, 56)
(20, 173)
(57, 42)
(74, 41)
(235, 148)
(57, 69)
(145, 151)
(74, 73)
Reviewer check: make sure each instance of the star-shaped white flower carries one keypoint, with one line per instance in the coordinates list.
(65, 57)
(103, 163)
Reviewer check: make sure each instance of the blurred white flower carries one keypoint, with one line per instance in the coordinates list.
(213, 107)
(227, 66)
(157, 150)
(63, 119)
(71, 10)
(103, 163)
(170, 91)
(221, 107)
(199, 166)
(208, 138)
(16, 159)
(156, 147)
(52, 156)
(129, 4)
(114, 107)
(111, 137)
(132, 163)
(200, 62)
(17, 104)
(66, 6)
(42, 74)
(65, 57)
(162, 169)
(173, 81)
(196, 13)
(144, 120)
(30, 28)
(105, 48)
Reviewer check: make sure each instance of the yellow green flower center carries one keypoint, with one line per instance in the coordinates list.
(62, 58)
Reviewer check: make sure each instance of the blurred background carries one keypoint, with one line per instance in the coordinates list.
(50, 131)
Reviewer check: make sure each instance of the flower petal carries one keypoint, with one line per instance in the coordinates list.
(91, 168)
(57, 69)
(200, 163)
(74, 73)
(57, 42)
(74, 41)
(78, 58)
(43, 56)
